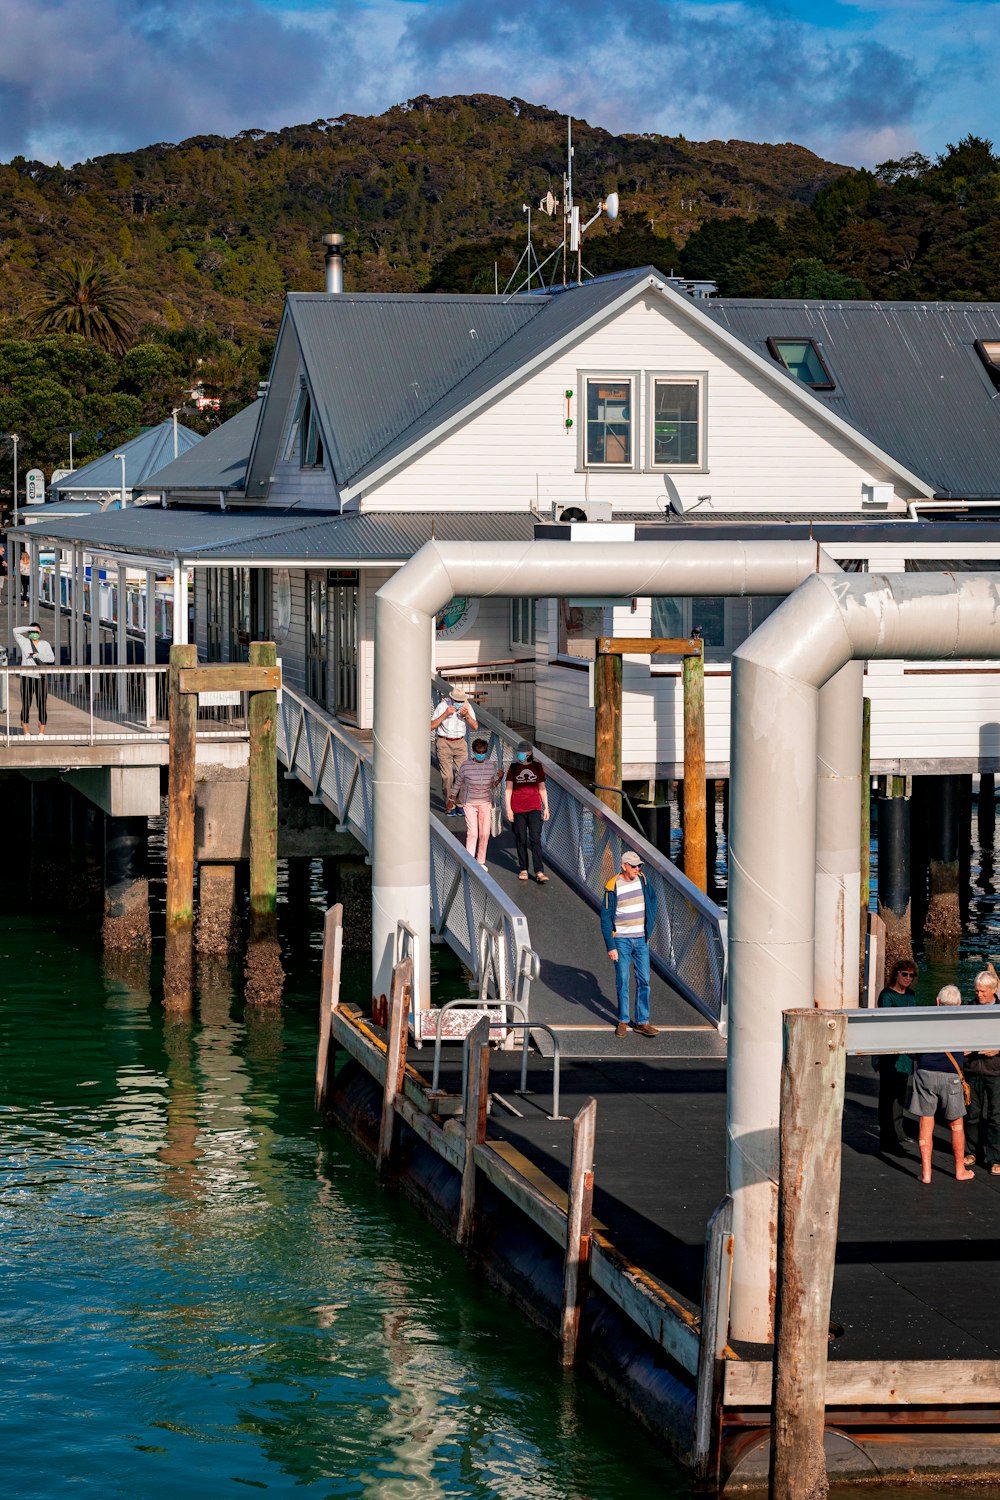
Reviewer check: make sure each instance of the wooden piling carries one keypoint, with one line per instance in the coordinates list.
(183, 719)
(715, 1293)
(695, 819)
(333, 945)
(943, 920)
(477, 1100)
(576, 1267)
(812, 1105)
(608, 730)
(264, 973)
(400, 1002)
(894, 872)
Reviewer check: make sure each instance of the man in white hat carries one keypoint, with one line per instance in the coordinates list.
(450, 721)
(628, 916)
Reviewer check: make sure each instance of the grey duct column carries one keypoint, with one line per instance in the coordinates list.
(777, 677)
(404, 610)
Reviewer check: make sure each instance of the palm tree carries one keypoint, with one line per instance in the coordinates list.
(89, 300)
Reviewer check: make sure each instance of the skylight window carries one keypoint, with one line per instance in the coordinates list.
(802, 359)
(989, 352)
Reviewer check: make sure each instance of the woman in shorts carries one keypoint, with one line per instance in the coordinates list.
(937, 1085)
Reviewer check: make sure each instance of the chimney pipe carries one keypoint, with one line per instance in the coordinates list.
(334, 262)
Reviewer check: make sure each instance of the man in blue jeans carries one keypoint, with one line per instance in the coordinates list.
(627, 919)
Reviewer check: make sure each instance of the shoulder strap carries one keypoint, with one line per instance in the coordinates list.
(955, 1066)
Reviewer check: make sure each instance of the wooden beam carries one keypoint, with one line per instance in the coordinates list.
(608, 731)
(695, 804)
(234, 678)
(812, 1108)
(183, 716)
(576, 1267)
(477, 1099)
(650, 1306)
(948, 1383)
(395, 1061)
(638, 645)
(715, 1293)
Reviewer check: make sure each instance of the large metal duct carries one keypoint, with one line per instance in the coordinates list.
(404, 612)
(778, 684)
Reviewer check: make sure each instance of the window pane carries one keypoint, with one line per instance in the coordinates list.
(609, 422)
(710, 616)
(579, 628)
(668, 619)
(801, 360)
(675, 422)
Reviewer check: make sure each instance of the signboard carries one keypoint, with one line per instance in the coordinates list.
(456, 619)
(34, 487)
(219, 700)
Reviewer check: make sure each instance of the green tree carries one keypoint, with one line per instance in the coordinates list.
(812, 279)
(82, 298)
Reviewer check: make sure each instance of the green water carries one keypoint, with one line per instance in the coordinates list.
(203, 1294)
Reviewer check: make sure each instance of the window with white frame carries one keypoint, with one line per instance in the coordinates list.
(522, 625)
(609, 418)
(676, 422)
(724, 623)
(304, 433)
(580, 624)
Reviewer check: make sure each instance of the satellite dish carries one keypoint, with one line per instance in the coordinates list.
(548, 204)
(611, 206)
(678, 505)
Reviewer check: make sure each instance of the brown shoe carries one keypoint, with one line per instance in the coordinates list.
(646, 1030)
(621, 1029)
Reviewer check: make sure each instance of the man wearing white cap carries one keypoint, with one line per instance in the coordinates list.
(628, 916)
(451, 719)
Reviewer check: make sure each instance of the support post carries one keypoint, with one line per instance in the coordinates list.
(695, 829)
(264, 972)
(943, 922)
(715, 1290)
(395, 1061)
(866, 811)
(126, 885)
(894, 873)
(177, 979)
(576, 1267)
(329, 999)
(477, 1099)
(149, 648)
(608, 729)
(812, 1105)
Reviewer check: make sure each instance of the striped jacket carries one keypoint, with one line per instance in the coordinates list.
(609, 909)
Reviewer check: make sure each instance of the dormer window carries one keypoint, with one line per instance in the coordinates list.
(801, 358)
(304, 433)
(989, 352)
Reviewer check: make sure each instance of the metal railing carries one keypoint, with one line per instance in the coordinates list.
(584, 841)
(337, 769)
(97, 705)
(504, 688)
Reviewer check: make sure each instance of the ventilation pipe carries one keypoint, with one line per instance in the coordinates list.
(404, 612)
(780, 720)
(334, 263)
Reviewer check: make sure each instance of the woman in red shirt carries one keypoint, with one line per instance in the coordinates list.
(526, 800)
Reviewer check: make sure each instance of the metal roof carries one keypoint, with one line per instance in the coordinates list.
(907, 376)
(143, 456)
(200, 536)
(218, 462)
(377, 364)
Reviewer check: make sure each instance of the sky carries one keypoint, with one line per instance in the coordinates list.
(857, 81)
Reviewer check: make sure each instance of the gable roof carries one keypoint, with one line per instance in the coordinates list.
(143, 456)
(219, 461)
(907, 376)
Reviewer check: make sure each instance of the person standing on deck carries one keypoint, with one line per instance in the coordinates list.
(24, 568)
(937, 1084)
(3, 572)
(894, 1072)
(628, 916)
(526, 803)
(35, 652)
(451, 719)
(982, 1073)
(473, 791)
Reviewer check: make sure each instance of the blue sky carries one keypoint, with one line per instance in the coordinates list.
(857, 81)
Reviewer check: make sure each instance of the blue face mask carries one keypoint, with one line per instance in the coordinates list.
(522, 755)
(479, 755)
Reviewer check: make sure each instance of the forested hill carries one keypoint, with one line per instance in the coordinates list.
(215, 230)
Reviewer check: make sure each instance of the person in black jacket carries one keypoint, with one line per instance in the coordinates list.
(894, 1072)
(982, 1073)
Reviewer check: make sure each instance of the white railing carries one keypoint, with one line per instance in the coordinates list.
(505, 688)
(97, 705)
(100, 603)
(337, 769)
(584, 841)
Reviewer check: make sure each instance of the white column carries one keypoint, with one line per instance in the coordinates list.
(33, 583)
(57, 604)
(150, 651)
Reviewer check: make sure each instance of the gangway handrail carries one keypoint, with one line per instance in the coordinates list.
(583, 841)
(471, 1002)
(337, 770)
(523, 1091)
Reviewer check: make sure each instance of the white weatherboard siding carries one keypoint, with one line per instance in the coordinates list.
(765, 452)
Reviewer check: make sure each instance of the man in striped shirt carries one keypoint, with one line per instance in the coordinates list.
(473, 791)
(628, 915)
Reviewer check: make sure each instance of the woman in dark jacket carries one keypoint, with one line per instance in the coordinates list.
(894, 1072)
(982, 1074)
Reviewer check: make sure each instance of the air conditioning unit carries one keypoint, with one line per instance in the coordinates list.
(589, 510)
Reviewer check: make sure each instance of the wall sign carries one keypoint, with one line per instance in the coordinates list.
(456, 619)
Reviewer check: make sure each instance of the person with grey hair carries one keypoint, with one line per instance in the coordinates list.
(938, 1085)
(982, 1072)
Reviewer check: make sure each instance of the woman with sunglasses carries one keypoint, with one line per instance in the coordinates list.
(894, 1072)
